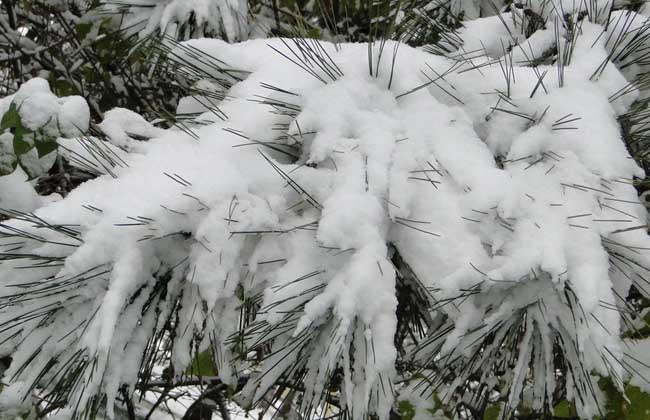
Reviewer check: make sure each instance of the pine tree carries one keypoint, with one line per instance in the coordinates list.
(442, 221)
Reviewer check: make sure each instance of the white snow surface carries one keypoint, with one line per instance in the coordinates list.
(475, 182)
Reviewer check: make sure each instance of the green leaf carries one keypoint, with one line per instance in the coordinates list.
(20, 145)
(44, 144)
(63, 87)
(33, 166)
(562, 410)
(406, 410)
(83, 29)
(203, 365)
(639, 406)
(45, 147)
(105, 25)
(617, 408)
(25, 168)
(11, 118)
(493, 412)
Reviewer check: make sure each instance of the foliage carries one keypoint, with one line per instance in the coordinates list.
(24, 141)
(445, 241)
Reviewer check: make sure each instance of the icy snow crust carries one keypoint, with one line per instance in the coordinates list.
(472, 197)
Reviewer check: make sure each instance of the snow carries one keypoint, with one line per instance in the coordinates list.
(636, 356)
(73, 116)
(479, 177)
(42, 111)
(225, 18)
(7, 158)
(120, 124)
(39, 108)
(17, 193)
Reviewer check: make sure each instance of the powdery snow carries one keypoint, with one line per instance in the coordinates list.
(511, 188)
(39, 110)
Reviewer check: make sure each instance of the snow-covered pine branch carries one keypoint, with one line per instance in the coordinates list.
(227, 19)
(284, 227)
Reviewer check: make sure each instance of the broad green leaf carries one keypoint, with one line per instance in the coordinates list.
(203, 365)
(639, 406)
(493, 412)
(45, 147)
(63, 87)
(21, 146)
(562, 410)
(44, 144)
(33, 166)
(83, 29)
(11, 118)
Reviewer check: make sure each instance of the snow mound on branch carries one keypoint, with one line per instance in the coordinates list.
(39, 108)
(17, 193)
(121, 124)
(331, 162)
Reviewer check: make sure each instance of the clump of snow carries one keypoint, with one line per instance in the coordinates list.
(73, 116)
(227, 18)
(40, 109)
(121, 125)
(483, 180)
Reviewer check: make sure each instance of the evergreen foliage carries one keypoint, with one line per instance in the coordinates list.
(416, 209)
